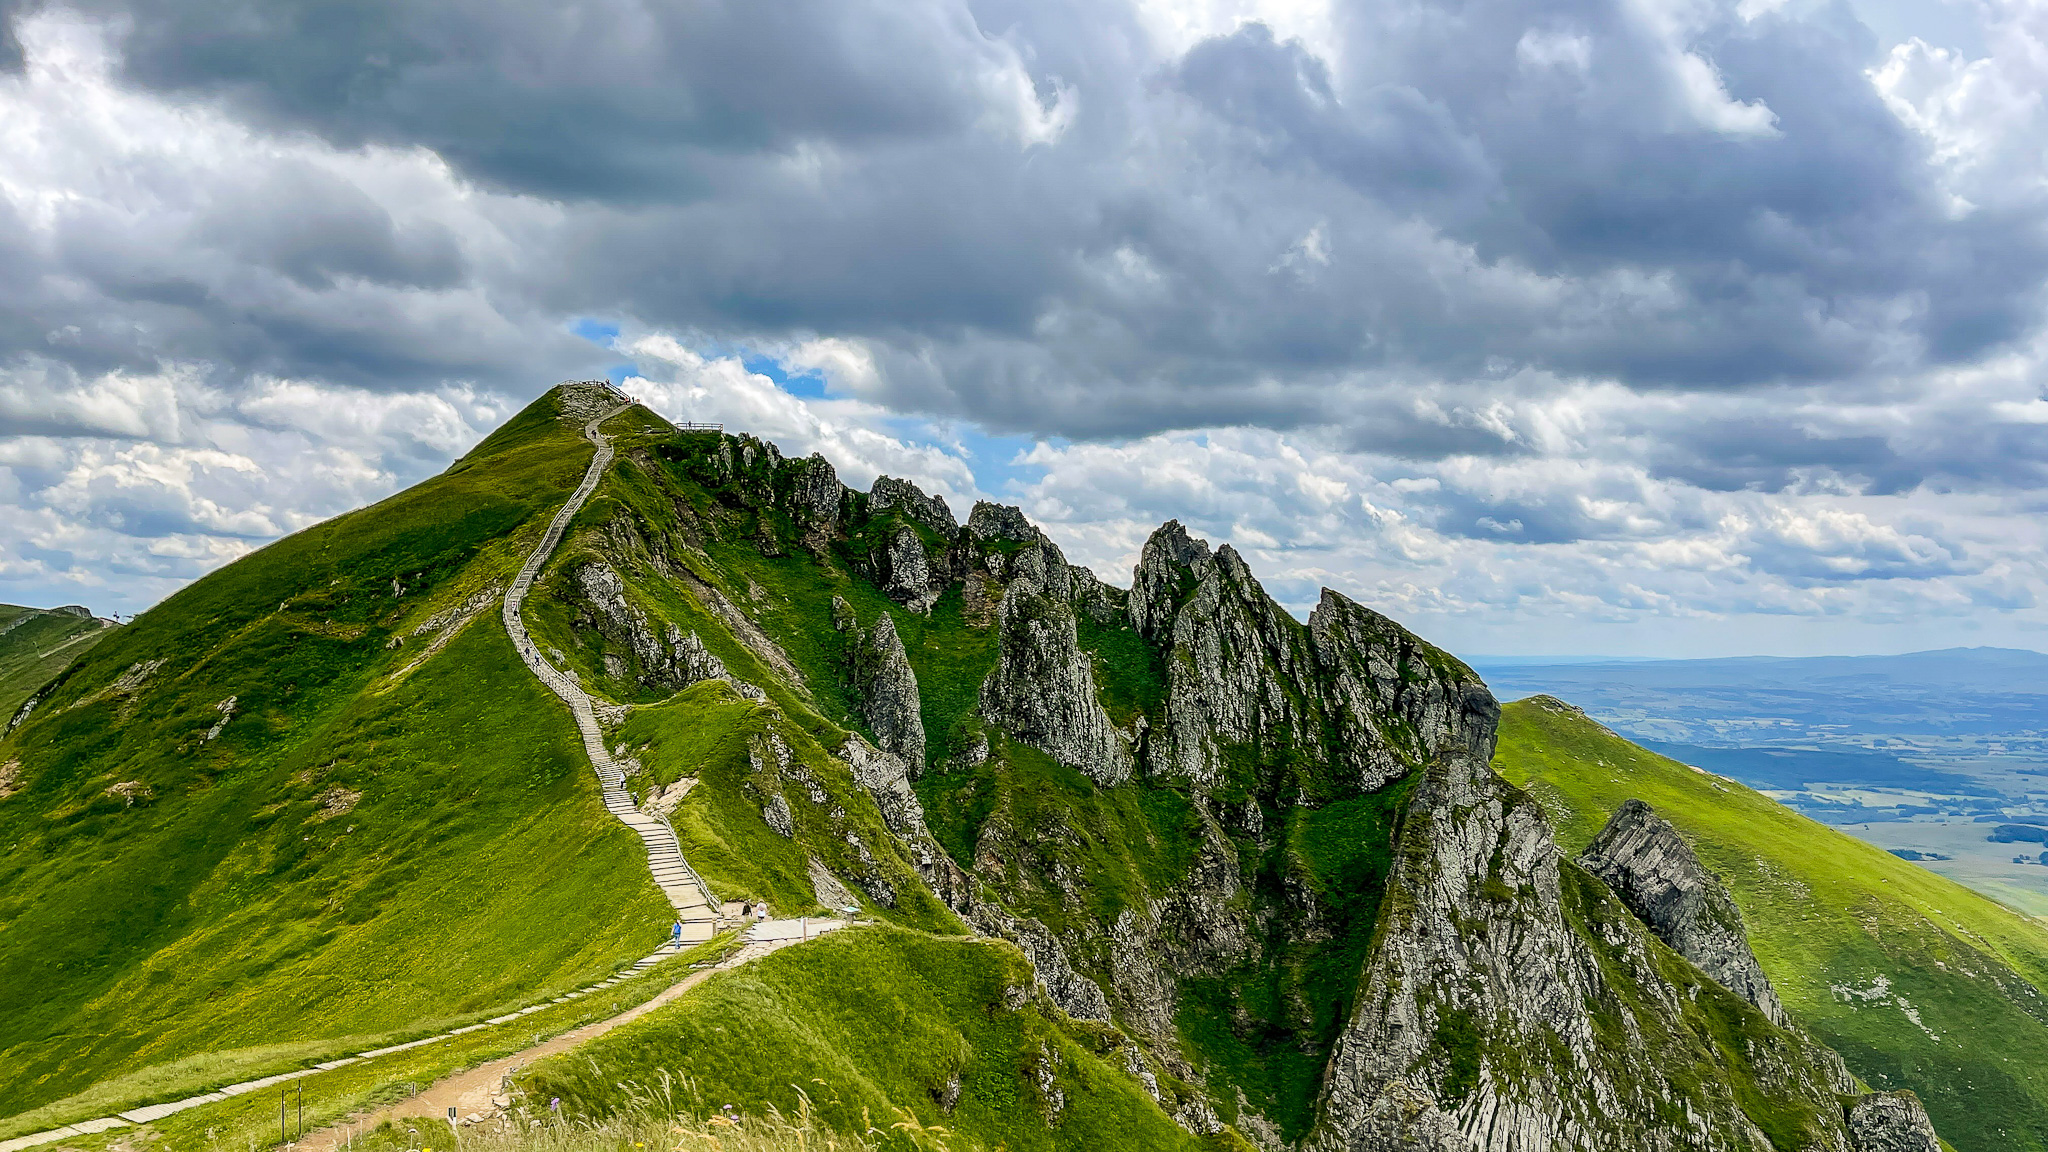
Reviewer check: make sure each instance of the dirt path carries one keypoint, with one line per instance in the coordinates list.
(471, 1090)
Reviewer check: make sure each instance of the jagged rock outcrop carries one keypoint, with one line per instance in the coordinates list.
(884, 686)
(1507, 1000)
(1891, 1122)
(816, 496)
(1354, 696)
(1390, 690)
(1076, 994)
(826, 887)
(906, 572)
(622, 623)
(1168, 569)
(692, 661)
(886, 779)
(1043, 686)
(1001, 522)
(931, 511)
(1654, 871)
(1487, 1021)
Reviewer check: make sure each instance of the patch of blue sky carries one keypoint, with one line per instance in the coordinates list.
(994, 459)
(808, 383)
(602, 333)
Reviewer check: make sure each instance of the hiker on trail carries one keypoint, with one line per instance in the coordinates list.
(746, 909)
(675, 935)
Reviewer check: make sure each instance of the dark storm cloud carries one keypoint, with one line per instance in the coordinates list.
(11, 59)
(611, 101)
(1035, 219)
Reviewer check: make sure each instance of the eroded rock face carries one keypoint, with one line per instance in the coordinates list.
(886, 778)
(621, 622)
(906, 572)
(1486, 1021)
(1891, 1122)
(1390, 690)
(930, 511)
(1354, 693)
(886, 689)
(1001, 522)
(815, 495)
(691, 661)
(1043, 686)
(1654, 871)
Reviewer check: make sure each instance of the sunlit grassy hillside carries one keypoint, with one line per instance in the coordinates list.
(35, 645)
(873, 1027)
(264, 813)
(1919, 982)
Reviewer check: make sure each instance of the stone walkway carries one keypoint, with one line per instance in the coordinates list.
(697, 909)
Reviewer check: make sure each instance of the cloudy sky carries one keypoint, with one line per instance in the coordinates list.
(1648, 327)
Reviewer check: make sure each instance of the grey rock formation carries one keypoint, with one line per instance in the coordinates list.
(1655, 873)
(1486, 1021)
(1891, 1122)
(930, 511)
(1001, 522)
(886, 778)
(906, 572)
(1353, 693)
(622, 623)
(775, 813)
(815, 496)
(691, 661)
(1076, 994)
(1168, 569)
(1043, 686)
(827, 888)
(1388, 689)
(885, 689)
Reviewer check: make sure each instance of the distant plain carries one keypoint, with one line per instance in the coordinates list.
(1927, 752)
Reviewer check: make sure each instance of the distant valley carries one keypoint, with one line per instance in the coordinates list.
(1925, 753)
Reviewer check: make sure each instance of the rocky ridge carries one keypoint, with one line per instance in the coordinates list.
(1654, 872)
(1502, 996)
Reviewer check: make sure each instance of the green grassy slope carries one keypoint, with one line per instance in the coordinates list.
(1917, 981)
(369, 840)
(868, 1022)
(35, 645)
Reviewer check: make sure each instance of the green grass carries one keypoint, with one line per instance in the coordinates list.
(219, 905)
(1118, 846)
(250, 1120)
(1269, 1026)
(1130, 672)
(869, 1021)
(37, 648)
(1823, 909)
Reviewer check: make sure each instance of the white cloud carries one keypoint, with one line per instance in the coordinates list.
(862, 440)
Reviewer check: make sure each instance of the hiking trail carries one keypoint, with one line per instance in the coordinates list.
(697, 908)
